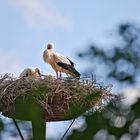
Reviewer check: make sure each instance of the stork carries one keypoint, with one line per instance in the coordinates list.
(59, 63)
(34, 72)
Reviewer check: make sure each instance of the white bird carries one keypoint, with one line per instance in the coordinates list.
(59, 63)
(34, 72)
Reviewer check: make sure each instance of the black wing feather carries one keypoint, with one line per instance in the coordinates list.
(69, 68)
(72, 63)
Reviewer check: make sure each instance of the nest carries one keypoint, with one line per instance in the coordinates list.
(55, 100)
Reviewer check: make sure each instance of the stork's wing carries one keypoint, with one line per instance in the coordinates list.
(70, 69)
(61, 59)
(72, 63)
(66, 64)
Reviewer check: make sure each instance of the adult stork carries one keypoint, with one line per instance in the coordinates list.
(34, 72)
(59, 63)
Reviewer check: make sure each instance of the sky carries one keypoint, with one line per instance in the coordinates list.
(26, 26)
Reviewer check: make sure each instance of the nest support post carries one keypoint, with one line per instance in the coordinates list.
(28, 110)
(40, 125)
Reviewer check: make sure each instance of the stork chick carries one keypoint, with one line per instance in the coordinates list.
(59, 63)
(34, 72)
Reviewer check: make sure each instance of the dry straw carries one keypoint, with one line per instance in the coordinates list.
(59, 99)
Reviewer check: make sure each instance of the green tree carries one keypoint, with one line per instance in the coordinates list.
(123, 59)
(123, 63)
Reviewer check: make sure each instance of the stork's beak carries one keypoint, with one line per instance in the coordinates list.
(38, 74)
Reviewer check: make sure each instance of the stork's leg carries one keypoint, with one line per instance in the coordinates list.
(57, 74)
(60, 75)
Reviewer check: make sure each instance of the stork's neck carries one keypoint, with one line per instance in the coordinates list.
(50, 50)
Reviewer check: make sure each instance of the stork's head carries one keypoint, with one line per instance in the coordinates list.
(37, 71)
(50, 46)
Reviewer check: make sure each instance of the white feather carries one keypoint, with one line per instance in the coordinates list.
(30, 71)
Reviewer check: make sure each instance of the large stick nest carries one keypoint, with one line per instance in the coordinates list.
(55, 100)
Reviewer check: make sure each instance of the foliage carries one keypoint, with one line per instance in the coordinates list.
(123, 59)
(116, 120)
(123, 62)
